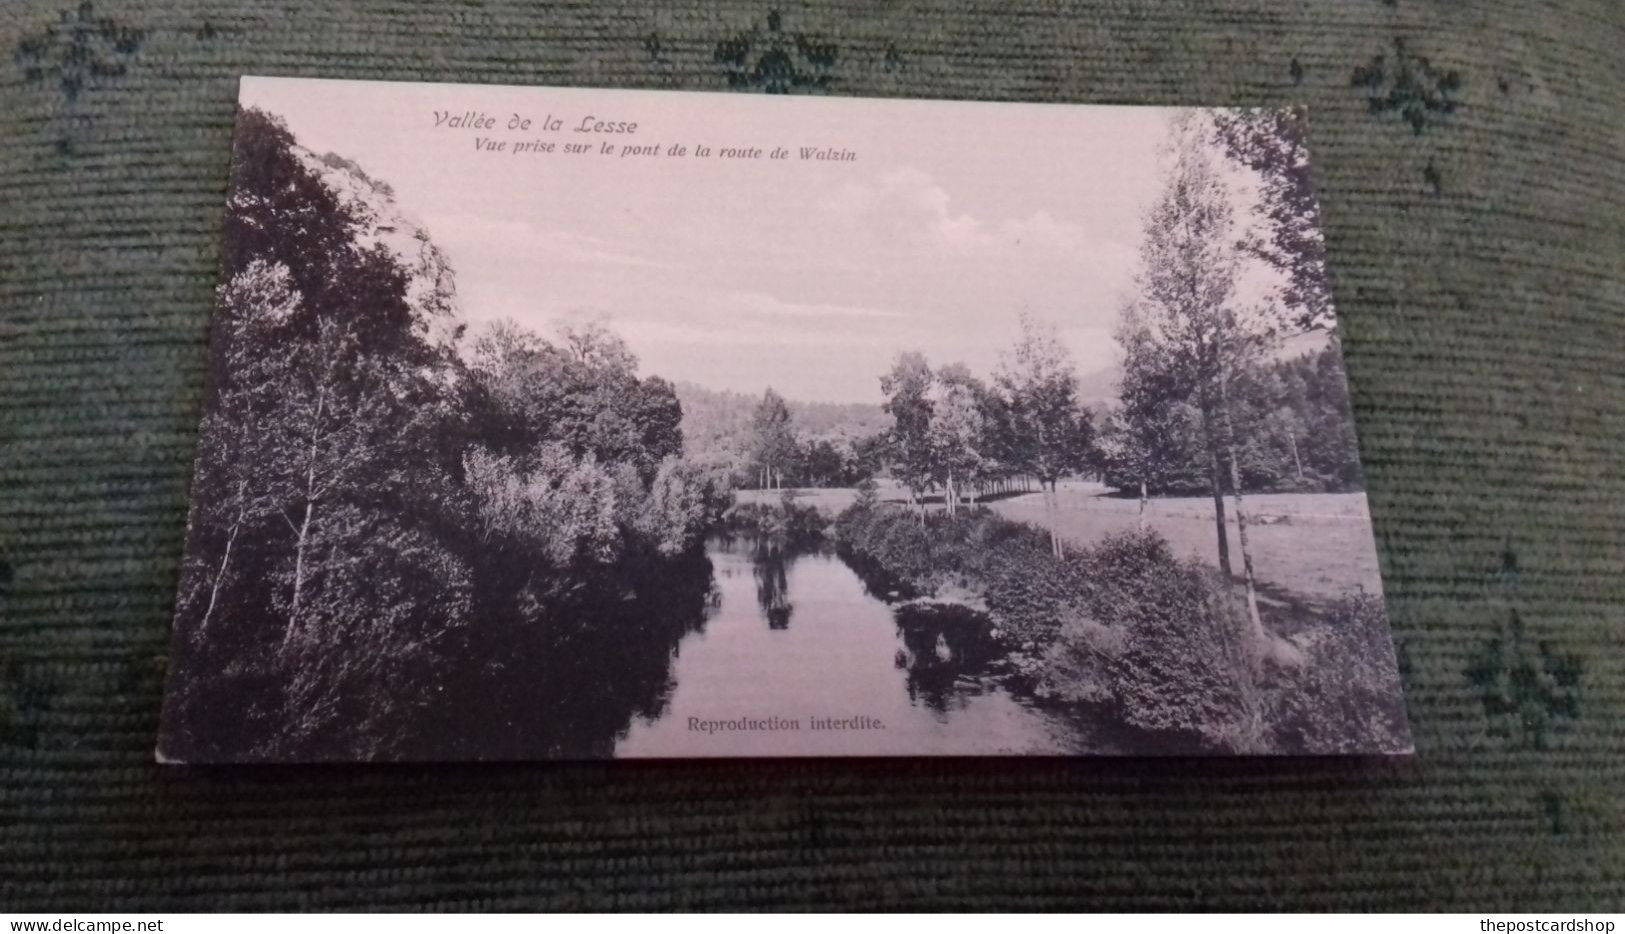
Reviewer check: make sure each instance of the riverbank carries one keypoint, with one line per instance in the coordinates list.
(1126, 630)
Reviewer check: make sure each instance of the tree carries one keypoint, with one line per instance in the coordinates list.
(1286, 423)
(1145, 433)
(1271, 144)
(552, 504)
(583, 392)
(682, 502)
(1292, 422)
(658, 418)
(229, 493)
(281, 212)
(1003, 463)
(377, 631)
(870, 454)
(1189, 262)
(1334, 451)
(957, 432)
(327, 441)
(773, 440)
(319, 470)
(1051, 433)
(822, 464)
(593, 345)
(362, 493)
(907, 388)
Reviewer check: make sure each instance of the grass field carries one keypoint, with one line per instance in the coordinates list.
(1317, 545)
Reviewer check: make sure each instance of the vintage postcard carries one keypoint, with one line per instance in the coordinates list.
(561, 424)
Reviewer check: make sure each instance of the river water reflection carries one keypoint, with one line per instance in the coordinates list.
(797, 636)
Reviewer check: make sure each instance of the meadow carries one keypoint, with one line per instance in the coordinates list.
(1315, 545)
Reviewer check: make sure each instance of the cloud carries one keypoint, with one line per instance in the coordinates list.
(1042, 231)
(908, 207)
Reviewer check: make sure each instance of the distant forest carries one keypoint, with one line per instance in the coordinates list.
(835, 443)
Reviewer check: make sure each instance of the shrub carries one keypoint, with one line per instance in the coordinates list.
(1347, 697)
(1077, 666)
(979, 550)
(1163, 643)
(681, 503)
(1031, 593)
(1187, 667)
(1124, 624)
(785, 522)
(562, 507)
(1120, 566)
(852, 524)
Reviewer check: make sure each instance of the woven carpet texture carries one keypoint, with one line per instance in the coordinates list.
(1474, 194)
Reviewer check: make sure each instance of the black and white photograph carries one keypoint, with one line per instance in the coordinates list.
(569, 424)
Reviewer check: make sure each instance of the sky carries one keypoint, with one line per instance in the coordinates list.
(807, 276)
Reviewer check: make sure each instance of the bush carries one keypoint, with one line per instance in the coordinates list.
(1187, 668)
(1164, 644)
(1077, 667)
(892, 540)
(1027, 590)
(852, 525)
(682, 502)
(1032, 594)
(785, 522)
(1347, 697)
(558, 505)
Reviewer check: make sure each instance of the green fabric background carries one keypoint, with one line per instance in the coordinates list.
(1479, 249)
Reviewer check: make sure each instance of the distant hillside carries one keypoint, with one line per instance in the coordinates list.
(717, 421)
(1098, 390)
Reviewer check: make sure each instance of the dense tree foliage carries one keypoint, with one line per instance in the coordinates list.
(1206, 403)
(773, 442)
(1156, 651)
(960, 434)
(1049, 434)
(1196, 378)
(1270, 142)
(1147, 440)
(582, 392)
(954, 433)
(911, 456)
(834, 444)
(379, 520)
(1298, 438)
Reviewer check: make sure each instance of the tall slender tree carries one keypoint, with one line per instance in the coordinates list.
(328, 439)
(1145, 432)
(1052, 434)
(907, 388)
(230, 494)
(774, 441)
(957, 432)
(1189, 265)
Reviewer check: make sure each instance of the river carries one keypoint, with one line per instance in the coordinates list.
(797, 657)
